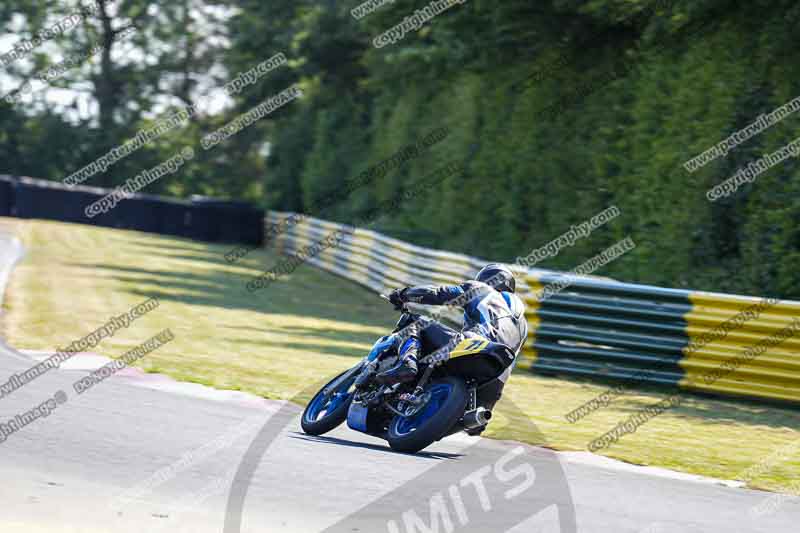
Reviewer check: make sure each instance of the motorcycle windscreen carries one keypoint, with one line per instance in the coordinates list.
(383, 344)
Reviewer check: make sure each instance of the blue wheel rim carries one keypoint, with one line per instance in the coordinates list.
(320, 406)
(439, 394)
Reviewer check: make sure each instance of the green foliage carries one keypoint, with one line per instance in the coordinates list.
(556, 110)
(637, 87)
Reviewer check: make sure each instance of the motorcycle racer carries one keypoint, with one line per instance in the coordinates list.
(492, 313)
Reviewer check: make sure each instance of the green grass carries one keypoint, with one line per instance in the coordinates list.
(278, 342)
(75, 277)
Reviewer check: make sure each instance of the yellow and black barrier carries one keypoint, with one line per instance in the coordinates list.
(743, 346)
(595, 327)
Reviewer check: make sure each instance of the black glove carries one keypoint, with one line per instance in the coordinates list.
(396, 297)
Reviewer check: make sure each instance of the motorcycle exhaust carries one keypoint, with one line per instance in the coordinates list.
(471, 420)
(477, 418)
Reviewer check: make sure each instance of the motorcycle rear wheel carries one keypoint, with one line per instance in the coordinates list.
(445, 408)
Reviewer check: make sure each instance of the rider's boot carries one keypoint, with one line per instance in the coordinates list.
(406, 369)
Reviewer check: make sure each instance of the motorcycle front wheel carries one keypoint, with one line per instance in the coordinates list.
(323, 414)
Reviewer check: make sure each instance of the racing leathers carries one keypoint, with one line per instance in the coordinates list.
(498, 317)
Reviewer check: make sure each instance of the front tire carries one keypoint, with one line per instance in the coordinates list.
(322, 415)
(446, 407)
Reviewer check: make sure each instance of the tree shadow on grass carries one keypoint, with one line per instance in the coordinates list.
(336, 335)
(326, 349)
(321, 298)
(711, 408)
(157, 242)
(188, 284)
(717, 410)
(254, 258)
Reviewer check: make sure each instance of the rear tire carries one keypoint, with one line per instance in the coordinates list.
(411, 435)
(312, 424)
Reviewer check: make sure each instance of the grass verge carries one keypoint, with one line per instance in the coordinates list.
(311, 325)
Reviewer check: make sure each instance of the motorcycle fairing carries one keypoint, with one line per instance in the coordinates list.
(469, 346)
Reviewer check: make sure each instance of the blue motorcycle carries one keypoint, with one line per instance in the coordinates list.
(443, 399)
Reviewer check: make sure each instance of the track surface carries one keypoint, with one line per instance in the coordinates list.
(181, 445)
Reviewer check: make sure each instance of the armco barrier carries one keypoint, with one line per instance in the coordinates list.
(200, 218)
(608, 329)
(595, 327)
(378, 262)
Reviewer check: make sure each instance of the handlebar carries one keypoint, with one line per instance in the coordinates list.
(385, 297)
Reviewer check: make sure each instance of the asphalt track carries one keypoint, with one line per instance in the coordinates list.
(141, 453)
